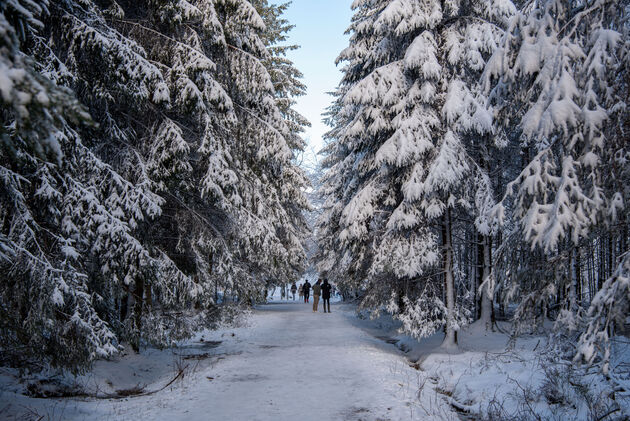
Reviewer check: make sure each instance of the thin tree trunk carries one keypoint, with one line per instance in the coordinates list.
(148, 296)
(601, 273)
(403, 291)
(450, 340)
(486, 297)
(591, 271)
(578, 275)
(138, 295)
(573, 281)
(216, 279)
(611, 257)
(124, 305)
(479, 256)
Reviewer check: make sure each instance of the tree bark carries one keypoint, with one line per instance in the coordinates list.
(148, 296)
(611, 257)
(601, 273)
(450, 340)
(124, 305)
(578, 275)
(486, 297)
(138, 295)
(573, 281)
(478, 273)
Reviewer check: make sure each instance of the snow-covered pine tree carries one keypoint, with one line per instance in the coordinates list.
(146, 218)
(409, 118)
(336, 165)
(284, 75)
(562, 64)
(47, 311)
(287, 87)
(84, 220)
(343, 259)
(36, 107)
(269, 220)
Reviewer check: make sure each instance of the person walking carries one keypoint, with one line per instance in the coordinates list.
(293, 290)
(326, 287)
(306, 289)
(317, 291)
(301, 292)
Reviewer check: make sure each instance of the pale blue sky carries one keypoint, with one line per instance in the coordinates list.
(319, 30)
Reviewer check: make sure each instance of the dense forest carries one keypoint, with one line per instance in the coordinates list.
(148, 170)
(477, 167)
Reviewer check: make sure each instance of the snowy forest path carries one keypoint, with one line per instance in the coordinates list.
(288, 363)
(300, 365)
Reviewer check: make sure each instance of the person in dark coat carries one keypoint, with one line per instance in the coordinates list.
(293, 290)
(326, 287)
(306, 289)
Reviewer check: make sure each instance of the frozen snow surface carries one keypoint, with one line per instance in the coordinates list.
(289, 363)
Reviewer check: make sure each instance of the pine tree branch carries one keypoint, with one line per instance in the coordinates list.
(251, 113)
(154, 32)
(581, 13)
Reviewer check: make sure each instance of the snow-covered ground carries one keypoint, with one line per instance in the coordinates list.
(288, 363)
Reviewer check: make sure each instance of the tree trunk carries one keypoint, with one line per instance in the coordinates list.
(450, 340)
(137, 310)
(573, 281)
(578, 276)
(401, 299)
(216, 279)
(611, 257)
(148, 297)
(124, 305)
(601, 273)
(486, 297)
(479, 244)
(590, 275)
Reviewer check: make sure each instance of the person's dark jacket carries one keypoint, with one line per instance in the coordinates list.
(326, 287)
(306, 288)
